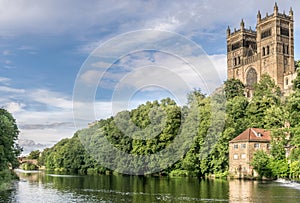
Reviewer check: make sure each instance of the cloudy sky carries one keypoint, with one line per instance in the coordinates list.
(50, 48)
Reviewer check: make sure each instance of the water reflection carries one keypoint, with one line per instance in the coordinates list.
(241, 191)
(40, 187)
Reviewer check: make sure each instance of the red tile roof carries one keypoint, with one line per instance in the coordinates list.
(253, 134)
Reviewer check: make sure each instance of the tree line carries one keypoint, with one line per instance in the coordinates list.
(212, 120)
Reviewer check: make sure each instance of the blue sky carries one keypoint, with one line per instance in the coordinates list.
(44, 45)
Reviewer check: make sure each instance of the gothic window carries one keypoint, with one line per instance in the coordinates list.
(251, 77)
(235, 46)
(234, 61)
(266, 33)
(239, 60)
(287, 81)
(268, 50)
(264, 51)
(284, 31)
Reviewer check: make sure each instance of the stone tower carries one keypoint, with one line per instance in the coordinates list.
(269, 49)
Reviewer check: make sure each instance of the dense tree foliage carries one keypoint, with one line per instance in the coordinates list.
(233, 88)
(214, 120)
(297, 64)
(34, 154)
(9, 150)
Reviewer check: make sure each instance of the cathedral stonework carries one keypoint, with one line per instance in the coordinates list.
(269, 49)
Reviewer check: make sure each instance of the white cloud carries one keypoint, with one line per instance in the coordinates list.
(91, 77)
(61, 16)
(220, 63)
(46, 116)
(4, 80)
(11, 90)
(14, 107)
(50, 98)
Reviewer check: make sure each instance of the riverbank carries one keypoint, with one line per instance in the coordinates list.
(7, 177)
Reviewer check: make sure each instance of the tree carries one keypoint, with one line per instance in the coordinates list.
(267, 88)
(296, 81)
(266, 95)
(297, 64)
(9, 149)
(233, 88)
(261, 163)
(34, 154)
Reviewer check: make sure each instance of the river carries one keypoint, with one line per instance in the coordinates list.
(41, 187)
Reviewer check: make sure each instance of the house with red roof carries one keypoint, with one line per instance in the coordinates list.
(242, 149)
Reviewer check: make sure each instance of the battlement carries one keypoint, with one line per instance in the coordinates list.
(246, 31)
(260, 20)
(279, 15)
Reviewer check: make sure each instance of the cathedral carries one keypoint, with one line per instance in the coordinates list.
(268, 49)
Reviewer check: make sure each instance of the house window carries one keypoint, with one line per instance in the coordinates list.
(268, 146)
(235, 156)
(256, 145)
(235, 146)
(286, 81)
(243, 156)
(243, 146)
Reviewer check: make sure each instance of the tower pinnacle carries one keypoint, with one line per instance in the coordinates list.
(258, 16)
(291, 12)
(275, 9)
(242, 25)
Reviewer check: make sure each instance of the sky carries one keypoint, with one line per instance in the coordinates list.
(66, 59)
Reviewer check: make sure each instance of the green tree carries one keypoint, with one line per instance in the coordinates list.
(266, 95)
(261, 163)
(297, 64)
(295, 169)
(9, 149)
(34, 154)
(296, 81)
(233, 88)
(280, 168)
(236, 115)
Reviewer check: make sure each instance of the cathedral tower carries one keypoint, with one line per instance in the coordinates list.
(269, 49)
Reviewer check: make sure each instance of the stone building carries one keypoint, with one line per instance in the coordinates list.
(242, 149)
(268, 49)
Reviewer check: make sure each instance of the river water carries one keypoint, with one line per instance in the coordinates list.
(41, 187)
